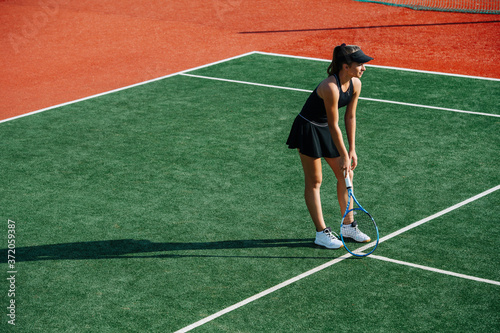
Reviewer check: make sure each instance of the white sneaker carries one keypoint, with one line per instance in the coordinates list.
(327, 239)
(352, 231)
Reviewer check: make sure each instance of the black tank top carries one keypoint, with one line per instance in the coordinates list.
(314, 108)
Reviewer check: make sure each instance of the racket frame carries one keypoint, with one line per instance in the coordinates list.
(350, 195)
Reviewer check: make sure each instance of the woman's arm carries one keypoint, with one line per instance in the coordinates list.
(329, 92)
(350, 122)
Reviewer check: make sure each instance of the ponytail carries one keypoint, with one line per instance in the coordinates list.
(341, 56)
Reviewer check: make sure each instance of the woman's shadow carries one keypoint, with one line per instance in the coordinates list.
(130, 248)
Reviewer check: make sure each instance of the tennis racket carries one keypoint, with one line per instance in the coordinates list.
(362, 233)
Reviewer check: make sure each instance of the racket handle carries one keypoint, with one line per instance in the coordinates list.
(348, 183)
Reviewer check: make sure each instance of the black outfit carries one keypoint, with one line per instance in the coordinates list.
(310, 132)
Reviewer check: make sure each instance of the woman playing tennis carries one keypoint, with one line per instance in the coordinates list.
(316, 134)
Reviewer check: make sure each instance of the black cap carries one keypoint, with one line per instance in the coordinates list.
(360, 57)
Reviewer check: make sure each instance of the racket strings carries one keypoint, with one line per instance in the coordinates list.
(358, 230)
(364, 225)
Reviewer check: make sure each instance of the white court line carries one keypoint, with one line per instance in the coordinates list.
(337, 260)
(385, 67)
(432, 217)
(246, 82)
(430, 107)
(429, 218)
(262, 294)
(363, 98)
(124, 88)
(435, 270)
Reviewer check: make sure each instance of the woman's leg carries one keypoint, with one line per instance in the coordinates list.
(313, 177)
(341, 188)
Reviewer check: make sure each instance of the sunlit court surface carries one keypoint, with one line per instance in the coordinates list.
(172, 204)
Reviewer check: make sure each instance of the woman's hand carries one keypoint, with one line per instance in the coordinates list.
(345, 164)
(348, 163)
(354, 159)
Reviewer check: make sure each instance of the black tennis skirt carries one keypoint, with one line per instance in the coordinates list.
(312, 139)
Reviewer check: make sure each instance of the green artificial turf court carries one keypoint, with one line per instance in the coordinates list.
(153, 207)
